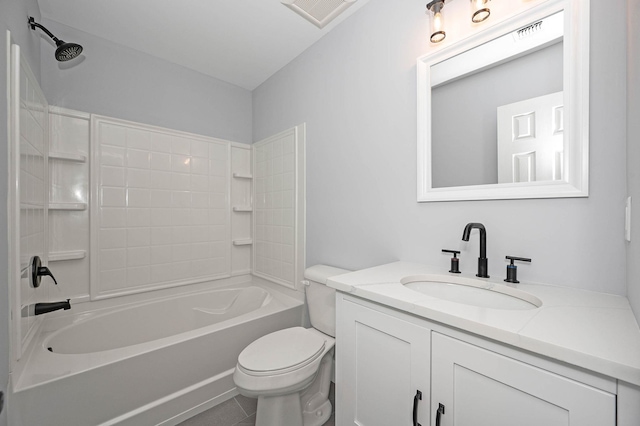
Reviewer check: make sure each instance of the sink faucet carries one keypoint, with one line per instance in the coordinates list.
(482, 260)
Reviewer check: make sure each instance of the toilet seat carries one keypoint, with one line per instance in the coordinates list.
(281, 352)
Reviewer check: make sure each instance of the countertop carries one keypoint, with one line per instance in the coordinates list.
(591, 330)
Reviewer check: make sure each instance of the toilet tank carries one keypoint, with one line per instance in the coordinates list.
(322, 299)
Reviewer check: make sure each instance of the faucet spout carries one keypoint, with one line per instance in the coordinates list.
(483, 262)
(43, 308)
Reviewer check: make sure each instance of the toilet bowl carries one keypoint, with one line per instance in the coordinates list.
(290, 370)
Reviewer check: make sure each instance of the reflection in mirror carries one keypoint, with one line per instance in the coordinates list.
(507, 116)
(466, 153)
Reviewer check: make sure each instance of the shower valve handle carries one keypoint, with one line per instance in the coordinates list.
(38, 271)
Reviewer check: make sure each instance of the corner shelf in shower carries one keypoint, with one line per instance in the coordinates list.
(246, 242)
(242, 176)
(68, 206)
(57, 256)
(77, 158)
(242, 209)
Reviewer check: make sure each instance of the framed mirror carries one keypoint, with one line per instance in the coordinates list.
(504, 114)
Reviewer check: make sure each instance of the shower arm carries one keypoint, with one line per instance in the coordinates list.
(34, 24)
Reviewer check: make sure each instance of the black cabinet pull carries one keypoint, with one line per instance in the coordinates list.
(416, 398)
(438, 413)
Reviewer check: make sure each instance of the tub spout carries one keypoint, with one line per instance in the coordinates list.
(43, 308)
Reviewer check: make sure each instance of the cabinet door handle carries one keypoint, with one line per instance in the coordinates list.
(438, 413)
(416, 398)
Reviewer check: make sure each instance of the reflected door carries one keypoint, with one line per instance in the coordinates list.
(530, 140)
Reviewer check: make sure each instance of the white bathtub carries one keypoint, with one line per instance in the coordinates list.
(147, 363)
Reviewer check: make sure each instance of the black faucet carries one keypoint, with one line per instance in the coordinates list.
(482, 260)
(43, 308)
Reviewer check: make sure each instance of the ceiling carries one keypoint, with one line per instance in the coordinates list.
(242, 42)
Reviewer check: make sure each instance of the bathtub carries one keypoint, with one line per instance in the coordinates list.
(155, 362)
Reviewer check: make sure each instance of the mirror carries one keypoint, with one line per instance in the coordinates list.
(504, 114)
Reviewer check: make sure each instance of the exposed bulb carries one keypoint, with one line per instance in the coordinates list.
(437, 22)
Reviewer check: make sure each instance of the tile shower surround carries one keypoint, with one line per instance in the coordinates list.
(274, 176)
(164, 207)
(33, 183)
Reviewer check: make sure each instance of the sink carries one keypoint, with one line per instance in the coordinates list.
(470, 291)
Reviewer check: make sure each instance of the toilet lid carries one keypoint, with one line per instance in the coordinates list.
(281, 351)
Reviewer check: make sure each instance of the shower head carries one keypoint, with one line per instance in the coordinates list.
(65, 51)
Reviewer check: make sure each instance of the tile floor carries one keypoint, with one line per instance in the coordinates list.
(238, 411)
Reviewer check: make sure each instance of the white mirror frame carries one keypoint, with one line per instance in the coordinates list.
(576, 107)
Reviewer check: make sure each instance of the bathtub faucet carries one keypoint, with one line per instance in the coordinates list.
(482, 259)
(43, 308)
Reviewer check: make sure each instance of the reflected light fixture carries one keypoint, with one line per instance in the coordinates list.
(479, 10)
(437, 21)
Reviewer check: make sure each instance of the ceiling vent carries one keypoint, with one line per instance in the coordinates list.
(318, 12)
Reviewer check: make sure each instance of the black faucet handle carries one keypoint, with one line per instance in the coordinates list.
(512, 269)
(454, 252)
(37, 271)
(455, 262)
(519, 259)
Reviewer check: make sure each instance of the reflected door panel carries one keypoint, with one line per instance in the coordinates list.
(530, 140)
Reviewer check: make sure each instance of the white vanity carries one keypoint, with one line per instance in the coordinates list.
(553, 356)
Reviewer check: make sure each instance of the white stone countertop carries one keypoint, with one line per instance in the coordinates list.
(591, 330)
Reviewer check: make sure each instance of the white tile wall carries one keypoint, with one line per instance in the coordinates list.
(33, 184)
(163, 208)
(275, 225)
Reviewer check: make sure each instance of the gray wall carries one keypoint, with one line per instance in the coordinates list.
(13, 17)
(120, 82)
(633, 152)
(356, 90)
(464, 122)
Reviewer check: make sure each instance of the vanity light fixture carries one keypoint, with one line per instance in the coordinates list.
(437, 21)
(479, 13)
(479, 10)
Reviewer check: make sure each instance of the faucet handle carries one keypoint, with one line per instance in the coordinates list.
(455, 262)
(37, 271)
(512, 270)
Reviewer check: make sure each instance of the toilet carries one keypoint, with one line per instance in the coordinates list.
(290, 370)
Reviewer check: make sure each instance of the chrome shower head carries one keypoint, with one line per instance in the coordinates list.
(65, 51)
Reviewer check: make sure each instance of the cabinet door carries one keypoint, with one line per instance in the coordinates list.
(481, 388)
(382, 362)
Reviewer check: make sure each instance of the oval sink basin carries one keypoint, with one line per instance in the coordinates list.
(470, 291)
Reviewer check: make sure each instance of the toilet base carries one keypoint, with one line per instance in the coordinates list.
(287, 410)
(279, 410)
(319, 416)
(309, 407)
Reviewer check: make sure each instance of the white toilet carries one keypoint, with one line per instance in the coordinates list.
(289, 371)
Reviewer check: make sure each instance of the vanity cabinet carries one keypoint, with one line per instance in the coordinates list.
(483, 388)
(382, 364)
(384, 357)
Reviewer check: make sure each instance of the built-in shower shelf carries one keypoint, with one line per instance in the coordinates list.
(242, 176)
(57, 256)
(246, 242)
(68, 206)
(78, 158)
(243, 209)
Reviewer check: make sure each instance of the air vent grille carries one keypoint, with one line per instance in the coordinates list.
(318, 12)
